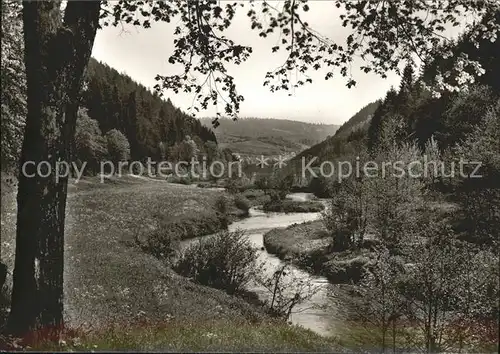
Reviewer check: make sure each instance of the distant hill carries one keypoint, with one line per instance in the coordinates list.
(267, 136)
(354, 129)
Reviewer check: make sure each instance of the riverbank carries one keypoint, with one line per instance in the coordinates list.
(108, 280)
(307, 245)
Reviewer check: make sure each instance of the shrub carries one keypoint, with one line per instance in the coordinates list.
(347, 271)
(292, 206)
(286, 289)
(160, 240)
(232, 186)
(221, 204)
(253, 193)
(224, 261)
(242, 203)
(222, 211)
(320, 187)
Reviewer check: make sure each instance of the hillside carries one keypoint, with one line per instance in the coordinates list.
(256, 136)
(116, 101)
(353, 129)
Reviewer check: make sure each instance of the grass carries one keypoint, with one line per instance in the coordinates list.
(191, 336)
(297, 239)
(367, 337)
(110, 283)
(107, 279)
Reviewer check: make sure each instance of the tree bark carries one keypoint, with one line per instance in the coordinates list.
(3, 275)
(57, 51)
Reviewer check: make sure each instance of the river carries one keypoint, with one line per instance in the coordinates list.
(317, 313)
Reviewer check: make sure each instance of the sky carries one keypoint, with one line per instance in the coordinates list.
(143, 53)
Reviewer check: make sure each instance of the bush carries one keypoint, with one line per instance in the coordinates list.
(242, 203)
(232, 186)
(253, 193)
(236, 185)
(224, 261)
(161, 240)
(292, 206)
(347, 271)
(320, 187)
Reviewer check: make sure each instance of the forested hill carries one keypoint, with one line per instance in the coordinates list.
(359, 120)
(267, 136)
(357, 125)
(118, 102)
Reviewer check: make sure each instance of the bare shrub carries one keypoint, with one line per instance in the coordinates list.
(286, 290)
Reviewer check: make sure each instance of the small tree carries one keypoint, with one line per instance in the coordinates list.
(91, 147)
(347, 218)
(449, 289)
(118, 146)
(398, 195)
(381, 304)
(480, 197)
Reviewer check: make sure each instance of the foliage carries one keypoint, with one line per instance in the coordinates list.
(480, 197)
(441, 297)
(118, 146)
(276, 186)
(346, 271)
(242, 203)
(222, 209)
(186, 150)
(158, 238)
(463, 114)
(116, 101)
(320, 186)
(226, 261)
(292, 206)
(379, 303)
(91, 146)
(450, 287)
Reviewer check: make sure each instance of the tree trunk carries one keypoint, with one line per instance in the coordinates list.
(56, 53)
(3, 275)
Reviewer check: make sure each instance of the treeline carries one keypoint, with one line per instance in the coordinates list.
(150, 123)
